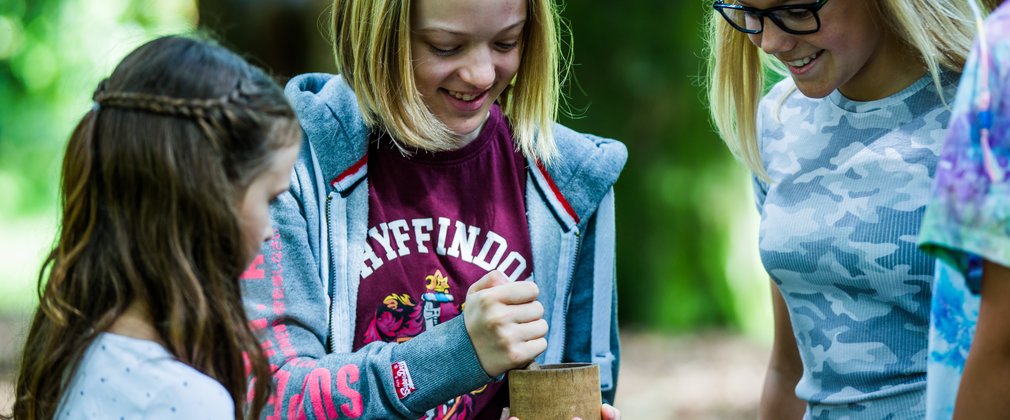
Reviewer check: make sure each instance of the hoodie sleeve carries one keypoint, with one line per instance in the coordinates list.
(289, 306)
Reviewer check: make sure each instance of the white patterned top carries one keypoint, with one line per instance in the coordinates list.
(126, 378)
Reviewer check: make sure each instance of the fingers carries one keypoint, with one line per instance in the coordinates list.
(527, 312)
(611, 413)
(491, 279)
(530, 350)
(608, 411)
(505, 322)
(503, 346)
(530, 330)
(512, 293)
(502, 290)
(498, 316)
(506, 303)
(518, 292)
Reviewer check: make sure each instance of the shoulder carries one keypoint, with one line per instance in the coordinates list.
(320, 98)
(782, 102)
(178, 390)
(780, 92)
(586, 168)
(125, 377)
(190, 394)
(997, 25)
(997, 29)
(781, 89)
(770, 123)
(593, 153)
(331, 119)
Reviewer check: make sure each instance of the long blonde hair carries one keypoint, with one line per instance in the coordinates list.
(939, 31)
(371, 43)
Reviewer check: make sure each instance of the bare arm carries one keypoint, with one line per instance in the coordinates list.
(983, 394)
(778, 399)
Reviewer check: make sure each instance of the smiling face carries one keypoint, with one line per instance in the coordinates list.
(465, 54)
(853, 51)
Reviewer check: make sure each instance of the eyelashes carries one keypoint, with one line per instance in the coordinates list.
(443, 52)
(507, 46)
(446, 52)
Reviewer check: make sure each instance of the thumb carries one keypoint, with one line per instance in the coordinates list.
(491, 279)
(610, 413)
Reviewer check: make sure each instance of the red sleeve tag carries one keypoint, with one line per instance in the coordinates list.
(401, 380)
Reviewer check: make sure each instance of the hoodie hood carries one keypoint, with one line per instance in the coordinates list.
(586, 168)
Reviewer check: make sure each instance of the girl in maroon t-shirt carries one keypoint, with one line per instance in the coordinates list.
(424, 237)
(453, 183)
(428, 240)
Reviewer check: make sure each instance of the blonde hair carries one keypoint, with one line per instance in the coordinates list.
(939, 31)
(371, 43)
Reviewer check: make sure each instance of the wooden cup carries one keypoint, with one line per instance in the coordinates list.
(556, 392)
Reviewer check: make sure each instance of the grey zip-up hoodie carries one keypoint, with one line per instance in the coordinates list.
(302, 291)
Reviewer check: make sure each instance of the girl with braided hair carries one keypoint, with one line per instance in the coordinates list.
(165, 192)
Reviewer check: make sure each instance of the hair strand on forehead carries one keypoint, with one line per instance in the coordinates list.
(371, 43)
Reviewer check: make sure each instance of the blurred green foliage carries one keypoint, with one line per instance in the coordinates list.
(52, 55)
(686, 224)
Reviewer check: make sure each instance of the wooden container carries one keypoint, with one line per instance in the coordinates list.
(556, 392)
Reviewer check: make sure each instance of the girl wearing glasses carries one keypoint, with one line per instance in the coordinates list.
(842, 151)
(966, 227)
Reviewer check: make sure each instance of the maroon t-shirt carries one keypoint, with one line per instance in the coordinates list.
(438, 222)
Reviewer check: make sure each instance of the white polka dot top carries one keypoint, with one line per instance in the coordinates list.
(127, 378)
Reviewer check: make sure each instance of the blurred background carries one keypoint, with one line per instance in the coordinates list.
(694, 305)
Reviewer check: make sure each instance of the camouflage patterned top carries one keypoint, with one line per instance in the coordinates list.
(969, 216)
(839, 221)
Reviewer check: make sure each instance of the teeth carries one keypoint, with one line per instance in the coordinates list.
(462, 96)
(803, 61)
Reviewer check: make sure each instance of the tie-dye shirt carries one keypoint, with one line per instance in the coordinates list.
(969, 216)
(839, 218)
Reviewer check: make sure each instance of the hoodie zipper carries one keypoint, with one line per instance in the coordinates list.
(329, 244)
(571, 274)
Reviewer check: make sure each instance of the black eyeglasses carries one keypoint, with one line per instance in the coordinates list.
(797, 19)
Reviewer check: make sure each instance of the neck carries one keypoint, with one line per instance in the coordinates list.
(136, 323)
(465, 139)
(469, 137)
(895, 60)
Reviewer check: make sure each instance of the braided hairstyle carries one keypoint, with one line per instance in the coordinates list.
(151, 180)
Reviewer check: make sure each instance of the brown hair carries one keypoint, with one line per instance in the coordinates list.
(151, 179)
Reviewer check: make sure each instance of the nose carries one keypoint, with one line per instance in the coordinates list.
(479, 69)
(772, 39)
(268, 231)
